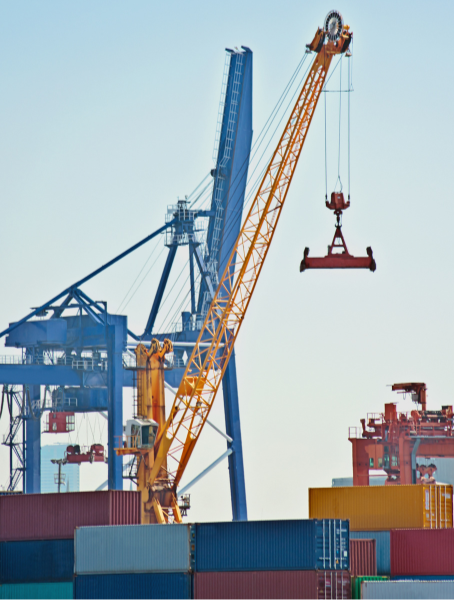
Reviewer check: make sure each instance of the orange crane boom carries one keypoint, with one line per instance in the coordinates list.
(205, 368)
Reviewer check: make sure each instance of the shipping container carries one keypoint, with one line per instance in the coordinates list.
(383, 548)
(135, 585)
(363, 557)
(356, 584)
(133, 549)
(423, 578)
(55, 516)
(422, 552)
(37, 560)
(273, 545)
(407, 589)
(36, 590)
(272, 584)
(382, 508)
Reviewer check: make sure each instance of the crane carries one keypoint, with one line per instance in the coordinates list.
(163, 449)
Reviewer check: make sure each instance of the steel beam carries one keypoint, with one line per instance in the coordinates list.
(33, 446)
(87, 278)
(115, 335)
(161, 289)
(233, 429)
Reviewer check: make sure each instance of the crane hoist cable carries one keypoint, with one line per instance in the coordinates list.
(338, 256)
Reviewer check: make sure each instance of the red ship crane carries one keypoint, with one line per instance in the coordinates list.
(392, 441)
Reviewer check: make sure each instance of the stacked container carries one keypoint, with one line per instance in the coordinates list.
(36, 537)
(272, 559)
(375, 511)
(139, 561)
(363, 557)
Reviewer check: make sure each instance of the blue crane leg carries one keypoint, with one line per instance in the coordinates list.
(115, 337)
(161, 289)
(33, 448)
(233, 429)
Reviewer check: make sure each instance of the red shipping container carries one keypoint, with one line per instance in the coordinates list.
(273, 584)
(55, 516)
(422, 552)
(363, 557)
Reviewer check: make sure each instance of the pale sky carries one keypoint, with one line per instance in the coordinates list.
(108, 114)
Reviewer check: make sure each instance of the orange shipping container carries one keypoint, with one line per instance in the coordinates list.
(377, 508)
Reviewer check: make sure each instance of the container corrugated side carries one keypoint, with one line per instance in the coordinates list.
(383, 548)
(132, 549)
(272, 584)
(407, 589)
(37, 560)
(273, 545)
(12, 591)
(136, 585)
(55, 516)
(363, 557)
(383, 508)
(422, 552)
(357, 581)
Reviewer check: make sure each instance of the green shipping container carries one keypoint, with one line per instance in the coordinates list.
(11, 591)
(356, 584)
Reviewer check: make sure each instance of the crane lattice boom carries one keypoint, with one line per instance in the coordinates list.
(206, 365)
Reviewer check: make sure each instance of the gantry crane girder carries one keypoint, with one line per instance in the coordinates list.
(210, 356)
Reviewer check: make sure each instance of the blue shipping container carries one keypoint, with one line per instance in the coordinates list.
(135, 585)
(273, 545)
(35, 561)
(383, 548)
(11, 591)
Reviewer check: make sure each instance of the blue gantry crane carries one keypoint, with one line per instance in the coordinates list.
(75, 350)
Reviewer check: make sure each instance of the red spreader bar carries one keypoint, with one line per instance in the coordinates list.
(338, 256)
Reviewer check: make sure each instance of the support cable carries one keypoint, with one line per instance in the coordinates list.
(134, 282)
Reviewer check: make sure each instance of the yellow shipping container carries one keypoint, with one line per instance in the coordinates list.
(379, 508)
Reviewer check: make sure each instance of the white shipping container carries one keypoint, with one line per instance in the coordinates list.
(407, 589)
(133, 549)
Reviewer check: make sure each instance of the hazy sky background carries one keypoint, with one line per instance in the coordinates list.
(107, 115)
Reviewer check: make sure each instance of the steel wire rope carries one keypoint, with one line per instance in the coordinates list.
(340, 123)
(261, 137)
(266, 127)
(260, 140)
(254, 187)
(262, 133)
(325, 91)
(174, 284)
(350, 88)
(171, 289)
(144, 265)
(145, 276)
(174, 316)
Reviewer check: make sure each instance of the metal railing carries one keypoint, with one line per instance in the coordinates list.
(79, 364)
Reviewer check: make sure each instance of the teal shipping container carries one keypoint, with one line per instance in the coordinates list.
(383, 539)
(11, 591)
(134, 549)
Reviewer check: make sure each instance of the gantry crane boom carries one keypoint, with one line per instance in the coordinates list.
(206, 366)
(161, 468)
